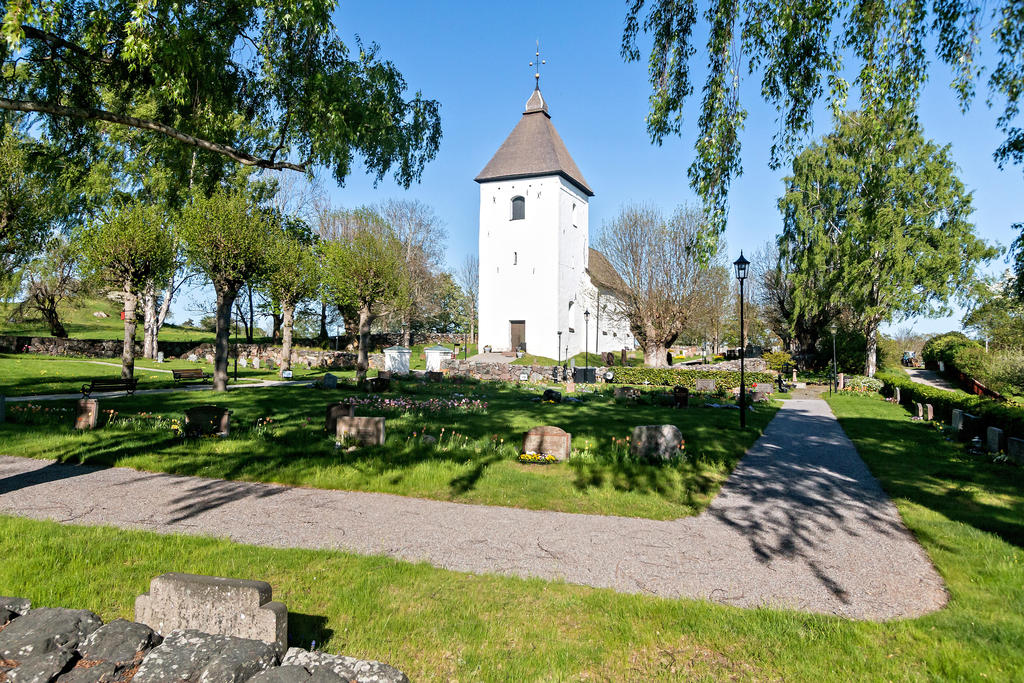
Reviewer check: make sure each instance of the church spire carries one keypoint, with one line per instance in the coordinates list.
(536, 102)
(536, 65)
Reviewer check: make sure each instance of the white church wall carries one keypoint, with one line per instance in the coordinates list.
(574, 238)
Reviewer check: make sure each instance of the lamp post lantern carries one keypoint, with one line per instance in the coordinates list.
(741, 264)
(835, 367)
(586, 345)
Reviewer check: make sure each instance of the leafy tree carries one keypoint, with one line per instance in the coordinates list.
(293, 277)
(266, 84)
(876, 224)
(51, 280)
(23, 212)
(129, 247)
(803, 53)
(469, 280)
(661, 265)
(364, 269)
(225, 236)
(996, 315)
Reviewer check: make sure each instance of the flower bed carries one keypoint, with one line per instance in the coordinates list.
(404, 404)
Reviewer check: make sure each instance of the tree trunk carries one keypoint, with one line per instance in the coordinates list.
(278, 322)
(250, 330)
(363, 360)
(161, 316)
(871, 360)
(323, 321)
(53, 322)
(407, 329)
(287, 314)
(655, 355)
(131, 302)
(149, 321)
(225, 300)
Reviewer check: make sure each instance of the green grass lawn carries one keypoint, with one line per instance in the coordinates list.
(439, 625)
(474, 460)
(29, 374)
(80, 323)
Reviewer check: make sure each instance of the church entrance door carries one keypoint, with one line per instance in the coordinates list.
(518, 334)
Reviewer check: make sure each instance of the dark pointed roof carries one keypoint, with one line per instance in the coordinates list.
(534, 148)
(602, 272)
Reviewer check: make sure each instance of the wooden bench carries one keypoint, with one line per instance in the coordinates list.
(119, 384)
(190, 374)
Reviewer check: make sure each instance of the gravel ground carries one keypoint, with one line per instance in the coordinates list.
(801, 524)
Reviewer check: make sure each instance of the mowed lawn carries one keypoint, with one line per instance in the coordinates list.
(278, 436)
(25, 374)
(441, 625)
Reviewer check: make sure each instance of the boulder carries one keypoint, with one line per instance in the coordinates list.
(46, 629)
(16, 605)
(190, 655)
(348, 668)
(42, 668)
(120, 642)
(655, 443)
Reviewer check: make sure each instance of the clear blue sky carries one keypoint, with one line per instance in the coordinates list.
(473, 57)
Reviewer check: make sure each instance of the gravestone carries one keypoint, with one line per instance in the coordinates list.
(383, 374)
(256, 362)
(706, 386)
(435, 376)
(570, 387)
(378, 385)
(87, 411)
(330, 381)
(766, 387)
(626, 393)
(211, 604)
(270, 364)
(609, 359)
(942, 366)
(160, 357)
(193, 358)
(207, 419)
(971, 427)
(366, 431)
(929, 412)
(681, 396)
(957, 421)
(841, 383)
(655, 443)
(920, 410)
(794, 377)
(548, 441)
(994, 439)
(334, 411)
(551, 395)
(242, 362)
(1015, 449)
(622, 357)
(895, 395)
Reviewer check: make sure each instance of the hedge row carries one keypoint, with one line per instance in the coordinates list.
(724, 379)
(992, 413)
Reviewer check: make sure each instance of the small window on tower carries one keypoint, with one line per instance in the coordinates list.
(518, 208)
(575, 217)
(515, 258)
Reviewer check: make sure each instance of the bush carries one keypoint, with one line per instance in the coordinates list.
(861, 384)
(776, 359)
(943, 347)
(1008, 417)
(724, 379)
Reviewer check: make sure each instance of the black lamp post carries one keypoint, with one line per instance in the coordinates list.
(741, 264)
(586, 345)
(835, 367)
(559, 347)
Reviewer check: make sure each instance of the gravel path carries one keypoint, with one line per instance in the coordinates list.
(801, 524)
(931, 378)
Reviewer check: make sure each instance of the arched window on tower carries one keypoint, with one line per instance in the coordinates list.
(518, 208)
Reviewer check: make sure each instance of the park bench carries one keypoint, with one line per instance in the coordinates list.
(190, 374)
(119, 384)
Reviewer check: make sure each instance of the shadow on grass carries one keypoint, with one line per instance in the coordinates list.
(306, 629)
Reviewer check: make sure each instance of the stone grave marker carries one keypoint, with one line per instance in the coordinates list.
(958, 421)
(841, 384)
(655, 443)
(334, 411)
(211, 604)
(929, 412)
(1015, 449)
(920, 409)
(706, 386)
(377, 385)
(383, 374)
(256, 362)
(242, 362)
(366, 431)
(435, 376)
(207, 419)
(330, 381)
(551, 395)
(895, 395)
(160, 357)
(994, 439)
(971, 427)
(87, 411)
(548, 441)
(271, 364)
(570, 387)
(193, 358)
(622, 357)
(766, 387)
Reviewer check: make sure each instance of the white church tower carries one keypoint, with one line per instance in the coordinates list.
(534, 243)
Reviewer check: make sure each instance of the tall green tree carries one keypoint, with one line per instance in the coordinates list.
(50, 281)
(877, 226)
(24, 214)
(996, 314)
(129, 247)
(266, 84)
(803, 53)
(364, 268)
(226, 236)
(293, 277)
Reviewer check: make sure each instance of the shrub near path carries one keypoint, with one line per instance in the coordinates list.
(277, 436)
(441, 625)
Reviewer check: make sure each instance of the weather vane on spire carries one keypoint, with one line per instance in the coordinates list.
(536, 64)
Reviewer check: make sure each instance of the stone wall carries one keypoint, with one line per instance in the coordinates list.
(505, 372)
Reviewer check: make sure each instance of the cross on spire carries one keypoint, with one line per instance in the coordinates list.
(536, 65)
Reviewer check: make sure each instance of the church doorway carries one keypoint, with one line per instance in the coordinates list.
(518, 334)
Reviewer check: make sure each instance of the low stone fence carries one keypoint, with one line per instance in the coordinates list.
(90, 348)
(506, 372)
(313, 358)
(188, 628)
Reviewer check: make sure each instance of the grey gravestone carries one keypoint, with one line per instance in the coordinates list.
(229, 607)
(435, 376)
(330, 381)
(655, 442)
(270, 364)
(705, 386)
(366, 431)
(929, 412)
(971, 427)
(87, 411)
(193, 358)
(1015, 449)
(548, 441)
(994, 439)
(242, 362)
(160, 357)
(920, 409)
(348, 668)
(895, 395)
(958, 420)
(335, 411)
(207, 419)
(766, 387)
(256, 362)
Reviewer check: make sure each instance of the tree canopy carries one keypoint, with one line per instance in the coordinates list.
(877, 226)
(266, 84)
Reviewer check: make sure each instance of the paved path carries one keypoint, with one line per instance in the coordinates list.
(931, 378)
(140, 392)
(800, 524)
(118, 365)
